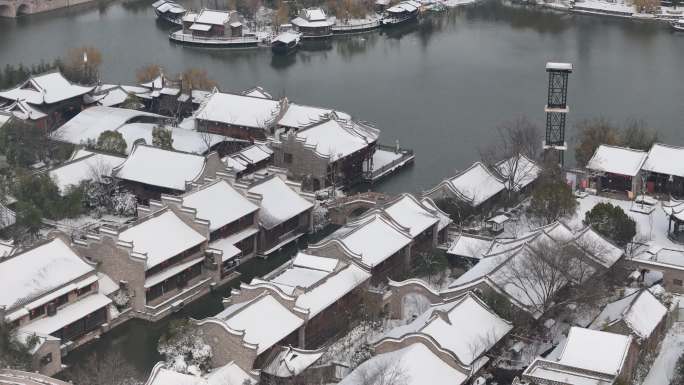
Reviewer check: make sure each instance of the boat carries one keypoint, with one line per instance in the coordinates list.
(353, 26)
(404, 12)
(286, 42)
(678, 25)
(169, 11)
(214, 29)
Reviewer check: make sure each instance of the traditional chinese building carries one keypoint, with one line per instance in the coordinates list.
(47, 99)
(55, 300)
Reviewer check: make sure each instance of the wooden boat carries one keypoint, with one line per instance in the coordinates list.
(286, 42)
(403, 12)
(169, 11)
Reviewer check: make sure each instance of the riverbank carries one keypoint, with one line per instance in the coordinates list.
(619, 9)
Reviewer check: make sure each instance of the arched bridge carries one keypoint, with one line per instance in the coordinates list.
(342, 209)
(16, 8)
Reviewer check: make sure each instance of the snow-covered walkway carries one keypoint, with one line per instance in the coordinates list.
(672, 347)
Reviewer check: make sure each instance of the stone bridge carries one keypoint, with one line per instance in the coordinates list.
(343, 209)
(16, 8)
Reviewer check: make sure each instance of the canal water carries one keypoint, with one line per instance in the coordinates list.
(440, 87)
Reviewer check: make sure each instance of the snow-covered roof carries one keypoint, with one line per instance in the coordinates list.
(84, 167)
(200, 27)
(524, 170)
(471, 329)
(39, 271)
(598, 247)
(290, 362)
(375, 239)
(641, 311)
(476, 184)
(264, 331)
(595, 350)
(672, 257)
(314, 262)
(404, 6)
(279, 202)
(468, 329)
(257, 92)
(332, 139)
(314, 14)
(239, 110)
(559, 66)
(415, 364)
(67, 315)
(219, 203)
(334, 287)
(161, 237)
(549, 371)
(410, 213)
(298, 115)
(183, 140)
(47, 88)
(617, 160)
(665, 159)
(22, 110)
(229, 374)
(471, 246)
(208, 16)
(93, 121)
(158, 167)
(302, 22)
(253, 154)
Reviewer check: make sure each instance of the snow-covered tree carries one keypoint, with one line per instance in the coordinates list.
(184, 349)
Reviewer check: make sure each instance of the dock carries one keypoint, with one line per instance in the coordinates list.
(387, 160)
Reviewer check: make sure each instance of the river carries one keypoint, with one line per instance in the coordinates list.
(440, 87)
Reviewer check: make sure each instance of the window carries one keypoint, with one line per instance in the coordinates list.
(287, 158)
(84, 290)
(677, 282)
(37, 312)
(46, 359)
(62, 299)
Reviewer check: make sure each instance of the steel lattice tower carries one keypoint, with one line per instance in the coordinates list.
(556, 110)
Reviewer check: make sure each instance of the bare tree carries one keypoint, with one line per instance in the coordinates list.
(111, 369)
(541, 269)
(515, 140)
(381, 371)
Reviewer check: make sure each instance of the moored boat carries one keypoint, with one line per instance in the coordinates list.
(169, 11)
(403, 12)
(286, 42)
(216, 29)
(678, 25)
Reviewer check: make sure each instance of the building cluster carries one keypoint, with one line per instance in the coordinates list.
(189, 238)
(623, 170)
(320, 146)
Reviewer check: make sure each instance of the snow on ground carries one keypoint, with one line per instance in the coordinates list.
(457, 3)
(671, 348)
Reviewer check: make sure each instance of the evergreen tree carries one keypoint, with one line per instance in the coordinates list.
(552, 198)
(111, 142)
(611, 222)
(162, 137)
